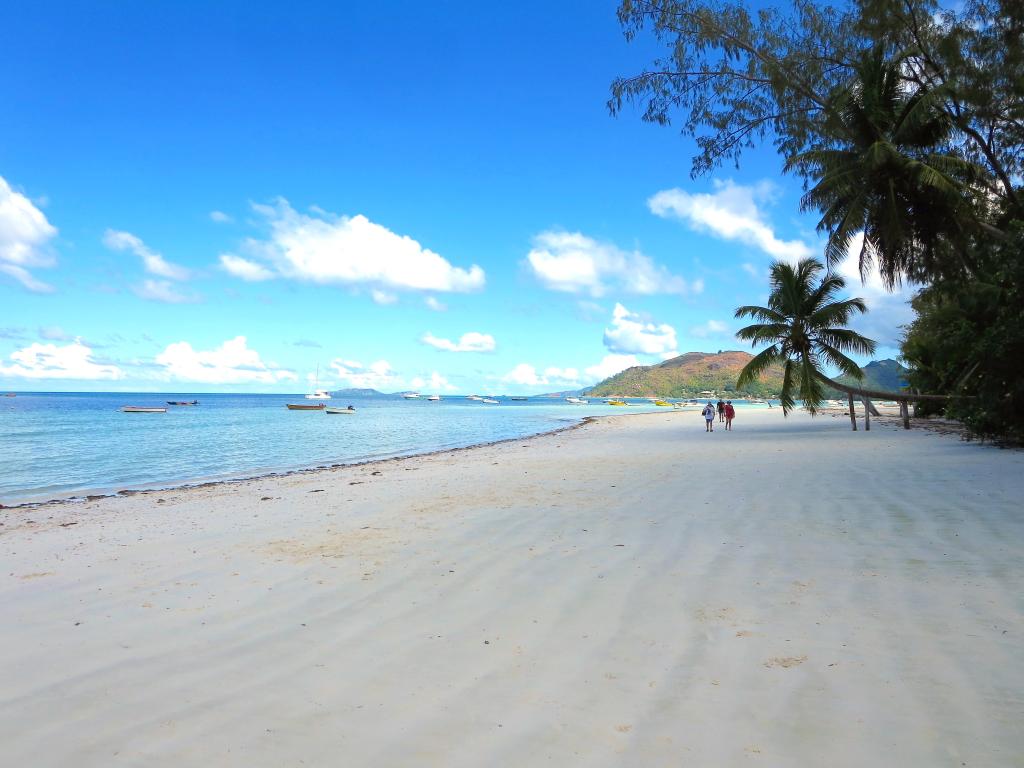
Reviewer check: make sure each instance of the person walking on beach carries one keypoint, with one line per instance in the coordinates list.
(709, 417)
(721, 410)
(730, 414)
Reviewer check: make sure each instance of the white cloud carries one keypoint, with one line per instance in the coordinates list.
(434, 304)
(468, 342)
(574, 263)
(164, 291)
(525, 375)
(610, 365)
(435, 383)
(153, 262)
(750, 269)
(382, 297)
(247, 270)
(710, 328)
(352, 250)
(563, 376)
(50, 361)
(25, 235)
(732, 213)
(220, 217)
(630, 334)
(377, 375)
(230, 363)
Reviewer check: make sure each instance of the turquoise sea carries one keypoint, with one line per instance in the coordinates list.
(59, 445)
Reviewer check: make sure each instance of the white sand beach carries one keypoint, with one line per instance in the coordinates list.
(634, 592)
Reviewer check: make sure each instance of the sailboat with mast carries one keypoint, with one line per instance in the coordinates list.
(318, 394)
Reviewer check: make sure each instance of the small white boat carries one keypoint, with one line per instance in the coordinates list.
(411, 395)
(490, 400)
(141, 409)
(340, 411)
(473, 397)
(434, 398)
(318, 394)
(577, 401)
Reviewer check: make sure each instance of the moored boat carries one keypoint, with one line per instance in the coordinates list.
(305, 406)
(489, 400)
(339, 411)
(616, 402)
(663, 403)
(411, 395)
(434, 398)
(141, 409)
(576, 401)
(183, 402)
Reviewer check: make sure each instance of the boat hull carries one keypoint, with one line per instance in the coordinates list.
(305, 407)
(340, 411)
(141, 409)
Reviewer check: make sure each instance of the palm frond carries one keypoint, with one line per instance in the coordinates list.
(764, 314)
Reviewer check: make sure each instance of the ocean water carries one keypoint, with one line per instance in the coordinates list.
(58, 445)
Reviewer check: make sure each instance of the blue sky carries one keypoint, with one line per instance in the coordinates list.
(222, 197)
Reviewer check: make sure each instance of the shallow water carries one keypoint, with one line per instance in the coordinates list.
(56, 445)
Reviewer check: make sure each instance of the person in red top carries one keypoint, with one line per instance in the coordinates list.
(730, 414)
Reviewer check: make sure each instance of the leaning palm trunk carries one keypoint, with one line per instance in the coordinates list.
(865, 394)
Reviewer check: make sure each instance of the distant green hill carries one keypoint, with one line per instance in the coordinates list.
(687, 376)
(886, 375)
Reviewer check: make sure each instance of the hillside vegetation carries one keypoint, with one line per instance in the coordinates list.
(688, 375)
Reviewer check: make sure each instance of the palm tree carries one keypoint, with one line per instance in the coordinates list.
(803, 323)
(877, 172)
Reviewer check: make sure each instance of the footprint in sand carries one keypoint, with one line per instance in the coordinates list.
(785, 661)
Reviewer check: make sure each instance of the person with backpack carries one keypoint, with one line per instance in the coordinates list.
(709, 417)
(730, 414)
(721, 410)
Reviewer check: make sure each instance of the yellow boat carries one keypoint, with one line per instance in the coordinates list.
(617, 402)
(663, 404)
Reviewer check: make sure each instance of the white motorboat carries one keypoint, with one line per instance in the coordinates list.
(141, 409)
(434, 398)
(340, 411)
(473, 397)
(411, 395)
(489, 400)
(577, 401)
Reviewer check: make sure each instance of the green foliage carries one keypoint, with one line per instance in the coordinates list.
(687, 376)
(968, 339)
(803, 326)
(879, 179)
(736, 78)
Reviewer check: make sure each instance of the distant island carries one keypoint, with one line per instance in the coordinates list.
(357, 392)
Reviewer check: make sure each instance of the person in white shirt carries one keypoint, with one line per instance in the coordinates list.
(709, 417)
